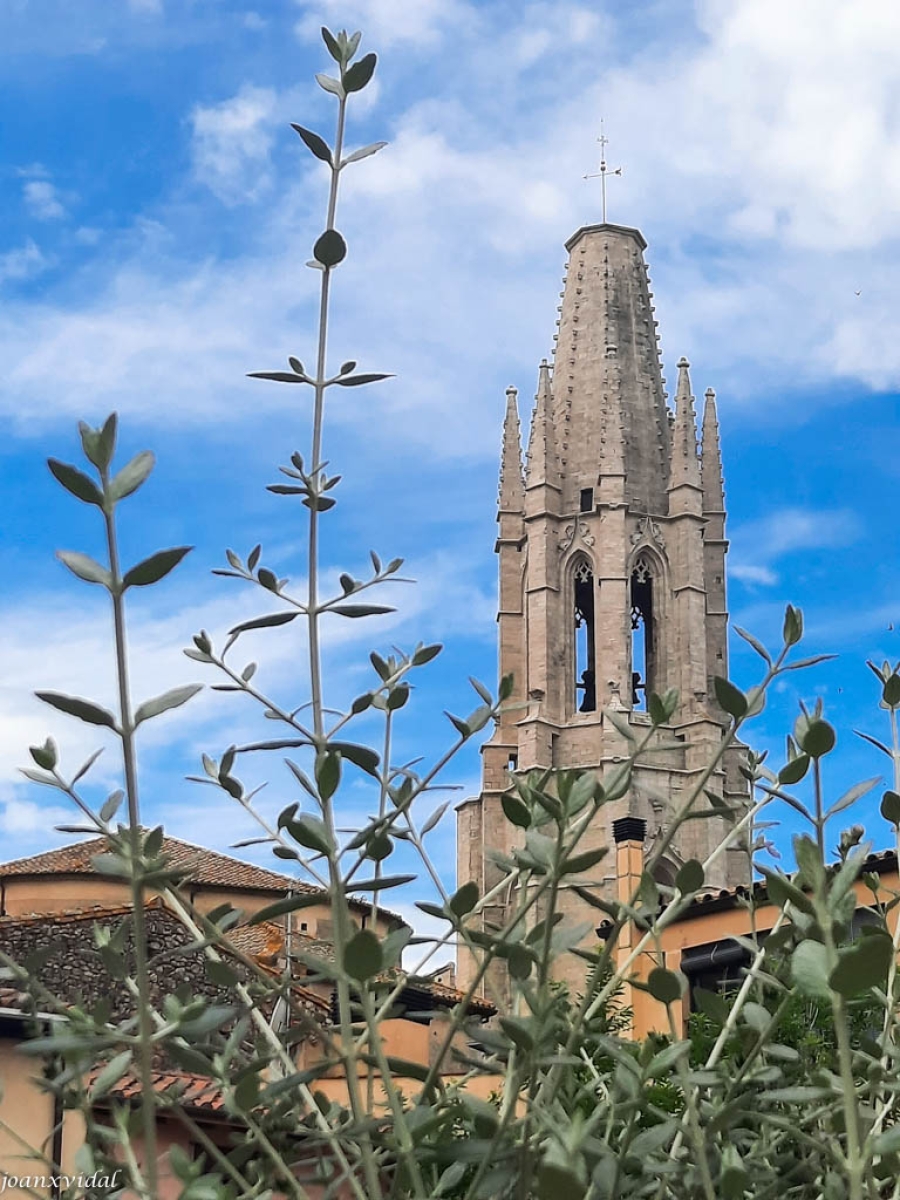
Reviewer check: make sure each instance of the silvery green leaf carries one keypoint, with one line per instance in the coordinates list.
(314, 143)
(330, 85)
(852, 795)
(666, 986)
(171, 699)
(110, 1075)
(809, 969)
(45, 756)
(86, 766)
(156, 567)
(132, 475)
(38, 777)
(619, 722)
(333, 48)
(356, 77)
(358, 380)
(85, 710)
(330, 248)
(754, 642)
(264, 622)
(363, 152)
(76, 482)
(362, 956)
(99, 444)
(434, 818)
(111, 805)
(863, 965)
(278, 376)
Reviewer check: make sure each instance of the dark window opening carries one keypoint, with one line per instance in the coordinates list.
(664, 873)
(513, 762)
(715, 967)
(585, 681)
(587, 500)
(642, 636)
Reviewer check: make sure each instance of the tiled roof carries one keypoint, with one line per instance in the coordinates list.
(703, 902)
(414, 983)
(440, 991)
(714, 901)
(194, 1092)
(201, 866)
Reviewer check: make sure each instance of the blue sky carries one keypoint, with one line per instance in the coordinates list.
(157, 213)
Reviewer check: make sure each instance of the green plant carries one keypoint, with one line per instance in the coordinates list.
(575, 1109)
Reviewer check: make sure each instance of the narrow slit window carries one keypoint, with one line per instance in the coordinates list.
(585, 682)
(642, 635)
(587, 500)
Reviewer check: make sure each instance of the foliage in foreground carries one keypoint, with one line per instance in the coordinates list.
(747, 1105)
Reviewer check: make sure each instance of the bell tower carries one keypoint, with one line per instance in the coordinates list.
(611, 548)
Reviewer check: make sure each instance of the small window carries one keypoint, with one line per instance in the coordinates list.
(587, 500)
(513, 762)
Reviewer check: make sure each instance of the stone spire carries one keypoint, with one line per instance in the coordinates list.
(711, 458)
(685, 469)
(512, 485)
(612, 468)
(607, 333)
(543, 465)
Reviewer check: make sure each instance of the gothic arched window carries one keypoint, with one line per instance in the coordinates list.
(642, 633)
(664, 872)
(583, 613)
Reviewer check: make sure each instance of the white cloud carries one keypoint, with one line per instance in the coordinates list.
(49, 644)
(231, 144)
(21, 819)
(146, 7)
(753, 573)
(421, 22)
(787, 531)
(792, 529)
(22, 263)
(42, 200)
(254, 21)
(453, 237)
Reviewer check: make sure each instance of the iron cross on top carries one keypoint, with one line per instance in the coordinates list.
(604, 170)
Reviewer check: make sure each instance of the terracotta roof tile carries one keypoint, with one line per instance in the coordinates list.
(205, 867)
(194, 1092)
(440, 991)
(201, 865)
(877, 863)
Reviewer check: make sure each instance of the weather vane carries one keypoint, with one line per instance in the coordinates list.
(605, 170)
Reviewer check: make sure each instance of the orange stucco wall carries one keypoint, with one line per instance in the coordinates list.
(26, 896)
(701, 928)
(26, 1115)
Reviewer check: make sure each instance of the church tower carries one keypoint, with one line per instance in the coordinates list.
(611, 547)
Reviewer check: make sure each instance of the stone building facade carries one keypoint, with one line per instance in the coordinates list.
(611, 549)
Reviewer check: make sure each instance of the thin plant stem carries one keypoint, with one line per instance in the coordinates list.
(136, 878)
